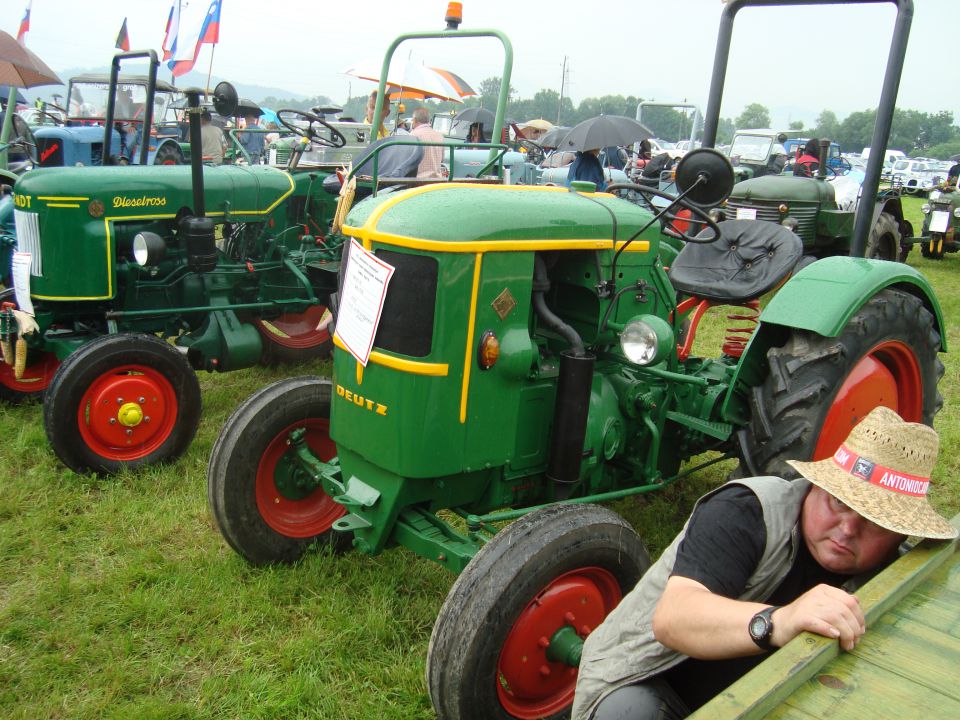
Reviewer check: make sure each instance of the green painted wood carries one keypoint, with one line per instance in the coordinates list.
(767, 688)
(851, 688)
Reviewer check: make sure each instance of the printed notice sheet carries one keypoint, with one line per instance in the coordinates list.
(21, 281)
(364, 290)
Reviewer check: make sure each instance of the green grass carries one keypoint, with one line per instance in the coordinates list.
(119, 599)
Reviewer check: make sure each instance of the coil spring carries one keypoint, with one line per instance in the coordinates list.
(736, 337)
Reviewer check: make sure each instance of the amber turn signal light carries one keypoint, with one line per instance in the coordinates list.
(488, 351)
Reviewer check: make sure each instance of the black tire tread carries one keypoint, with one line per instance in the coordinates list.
(805, 373)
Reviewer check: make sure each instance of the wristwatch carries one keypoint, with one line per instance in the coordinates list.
(761, 627)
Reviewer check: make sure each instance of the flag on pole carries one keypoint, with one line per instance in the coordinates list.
(207, 30)
(172, 31)
(24, 24)
(123, 40)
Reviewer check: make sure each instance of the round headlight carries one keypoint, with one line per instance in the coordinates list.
(956, 212)
(148, 249)
(647, 340)
(925, 208)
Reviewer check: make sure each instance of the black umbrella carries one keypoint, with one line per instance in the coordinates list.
(604, 131)
(19, 97)
(955, 158)
(245, 106)
(474, 114)
(553, 138)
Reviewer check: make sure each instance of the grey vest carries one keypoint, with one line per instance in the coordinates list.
(622, 650)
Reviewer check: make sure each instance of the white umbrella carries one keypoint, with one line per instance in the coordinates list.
(407, 75)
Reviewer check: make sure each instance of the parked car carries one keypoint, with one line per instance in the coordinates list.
(915, 176)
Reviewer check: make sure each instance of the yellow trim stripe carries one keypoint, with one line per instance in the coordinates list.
(54, 197)
(62, 205)
(475, 246)
(471, 326)
(408, 366)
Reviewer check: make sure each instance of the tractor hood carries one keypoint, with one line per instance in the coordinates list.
(462, 212)
(246, 192)
(784, 187)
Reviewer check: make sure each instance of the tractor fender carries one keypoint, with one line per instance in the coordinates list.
(822, 298)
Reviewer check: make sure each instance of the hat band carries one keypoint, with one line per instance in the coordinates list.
(880, 475)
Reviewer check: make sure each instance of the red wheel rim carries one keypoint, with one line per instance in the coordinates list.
(36, 377)
(297, 330)
(308, 516)
(529, 685)
(888, 375)
(127, 413)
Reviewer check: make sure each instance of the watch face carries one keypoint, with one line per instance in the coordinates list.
(758, 627)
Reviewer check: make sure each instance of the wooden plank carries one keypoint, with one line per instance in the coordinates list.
(768, 685)
(852, 689)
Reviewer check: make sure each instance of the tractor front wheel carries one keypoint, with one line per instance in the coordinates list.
(265, 508)
(932, 247)
(121, 401)
(819, 387)
(168, 154)
(296, 337)
(494, 649)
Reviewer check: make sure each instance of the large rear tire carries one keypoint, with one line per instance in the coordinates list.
(819, 387)
(884, 240)
(121, 401)
(562, 565)
(36, 377)
(296, 337)
(260, 521)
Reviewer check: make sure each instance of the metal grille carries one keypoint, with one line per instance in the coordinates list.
(28, 239)
(806, 217)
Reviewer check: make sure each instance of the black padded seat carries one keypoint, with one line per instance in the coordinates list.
(748, 259)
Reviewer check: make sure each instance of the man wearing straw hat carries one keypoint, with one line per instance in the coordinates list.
(759, 561)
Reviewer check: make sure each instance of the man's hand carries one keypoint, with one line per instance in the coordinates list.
(823, 610)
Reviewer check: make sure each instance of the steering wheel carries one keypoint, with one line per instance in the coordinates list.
(336, 139)
(535, 153)
(841, 166)
(696, 210)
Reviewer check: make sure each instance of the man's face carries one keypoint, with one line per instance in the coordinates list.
(839, 539)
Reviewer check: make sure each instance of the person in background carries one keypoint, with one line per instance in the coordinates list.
(213, 144)
(384, 114)
(430, 166)
(252, 142)
(760, 561)
(808, 162)
(475, 133)
(586, 167)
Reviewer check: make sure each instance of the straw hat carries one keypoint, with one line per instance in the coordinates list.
(882, 471)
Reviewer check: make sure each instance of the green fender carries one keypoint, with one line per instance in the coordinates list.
(821, 298)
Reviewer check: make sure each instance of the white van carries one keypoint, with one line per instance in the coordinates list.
(892, 155)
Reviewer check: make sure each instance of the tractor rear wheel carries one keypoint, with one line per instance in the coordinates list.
(36, 377)
(819, 387)
(556, 567)
(884, 240)
(252, 486)
(168, 154)
(296, 337)
(121, 401)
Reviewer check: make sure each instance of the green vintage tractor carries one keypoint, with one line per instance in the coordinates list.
(521, 353)
(941, 222)
(231, 265)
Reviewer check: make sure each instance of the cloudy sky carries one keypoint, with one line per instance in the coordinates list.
(796, 61)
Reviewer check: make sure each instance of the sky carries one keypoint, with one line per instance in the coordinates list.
(794, 60)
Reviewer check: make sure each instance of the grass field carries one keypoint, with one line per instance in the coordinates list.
(119, 599)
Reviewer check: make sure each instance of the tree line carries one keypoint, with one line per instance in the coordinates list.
(916, 133)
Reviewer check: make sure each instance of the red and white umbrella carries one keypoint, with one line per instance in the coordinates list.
(411, 79)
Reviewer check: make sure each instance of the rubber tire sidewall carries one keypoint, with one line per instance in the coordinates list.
(234, 462)
(789, 407)
(499, 582)
(171, 150)
(74, 376)
(884, 233)
(9, 395)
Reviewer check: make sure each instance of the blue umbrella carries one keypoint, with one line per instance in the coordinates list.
(269, 116)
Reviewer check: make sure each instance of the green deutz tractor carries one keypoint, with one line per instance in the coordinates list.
(231, 264)
(532, 357)
(941, 222)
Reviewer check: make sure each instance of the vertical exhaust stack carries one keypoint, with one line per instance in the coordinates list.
(824, 157)
(225, 103)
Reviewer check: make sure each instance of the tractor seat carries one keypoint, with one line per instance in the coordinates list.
(750, 258)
